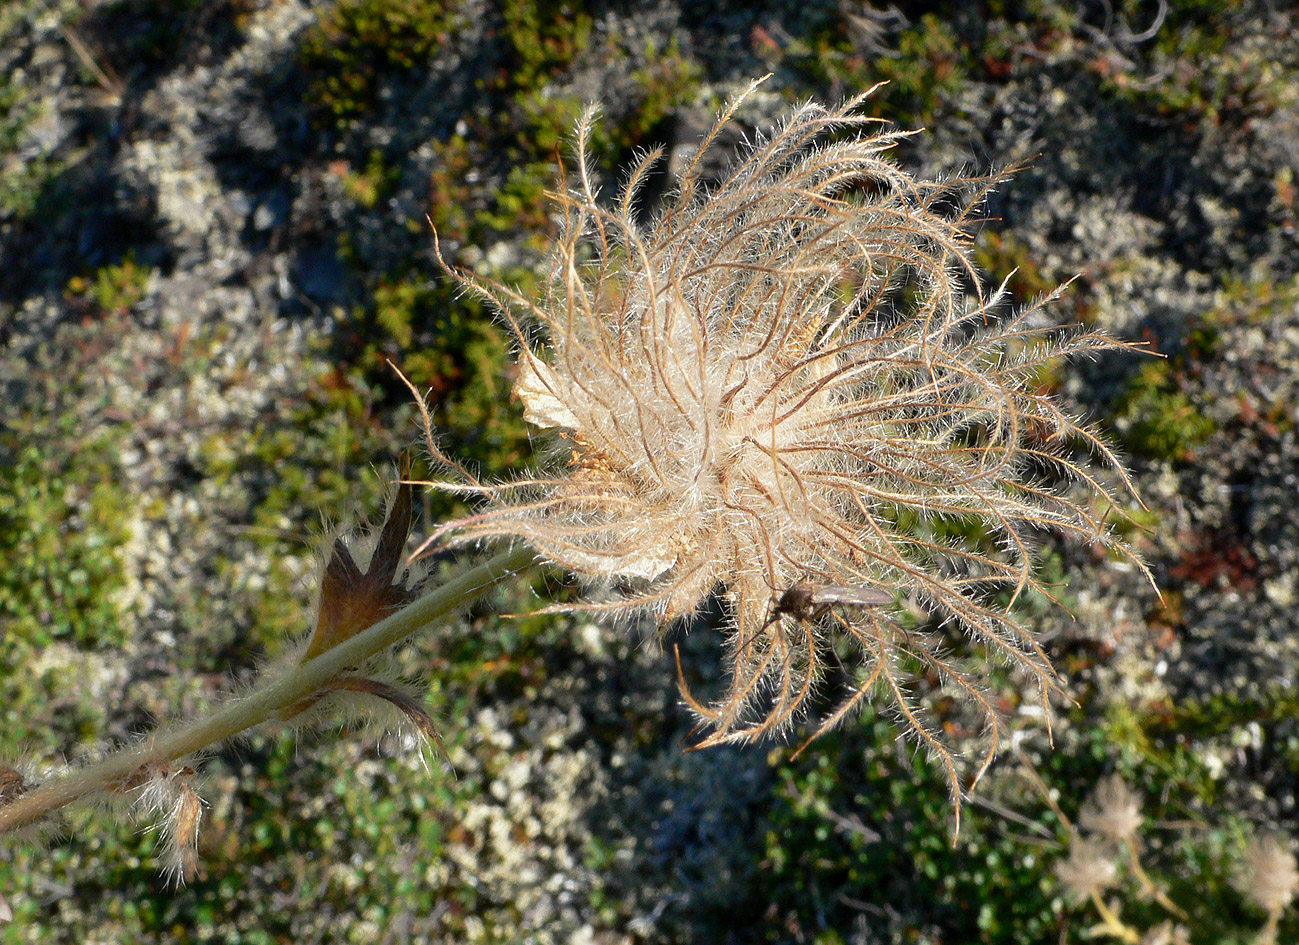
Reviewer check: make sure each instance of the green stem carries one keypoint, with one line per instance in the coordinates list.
(266, 699)
(1148, 886)
(1267, 934)
(1113, 925)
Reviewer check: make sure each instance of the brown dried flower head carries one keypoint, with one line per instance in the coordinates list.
(12, 783)
(794, 376)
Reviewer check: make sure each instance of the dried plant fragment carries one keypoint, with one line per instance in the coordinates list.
(17, 781)
(164, 794)
(12, 784)
(401, 700)
(351, 600)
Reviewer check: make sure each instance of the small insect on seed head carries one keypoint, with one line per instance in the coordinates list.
(810, 602)
(807, 601)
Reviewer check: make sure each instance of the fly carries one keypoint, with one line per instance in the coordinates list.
(807, 601)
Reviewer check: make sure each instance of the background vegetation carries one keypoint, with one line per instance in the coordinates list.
(212, 220)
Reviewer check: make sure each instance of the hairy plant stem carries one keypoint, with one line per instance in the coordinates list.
(267, 698)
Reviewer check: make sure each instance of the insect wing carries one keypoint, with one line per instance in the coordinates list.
(856, 596)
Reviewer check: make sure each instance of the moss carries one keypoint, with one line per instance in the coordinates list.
(545, 37)
(1193, 68)
(23, 175)
(542, 125)
(518, 210)
(520, 203)
(1161, 412)
(15, 114)
(1005, 256)
(1255, 301)
(892, 851)
(476, 412)
(110, 290)
(1158, 418)
(64, 514)
(356, 45)
(1222, 714)
(371, 184)
(859, 826)
(62, 522)
(667, 79)
(927, 65)
(451, 348)
(449, 190)
(928, 69)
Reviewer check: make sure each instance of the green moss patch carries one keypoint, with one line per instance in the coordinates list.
(356, 46)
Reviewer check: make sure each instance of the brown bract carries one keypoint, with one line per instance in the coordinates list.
(352, 599)
(794, 376)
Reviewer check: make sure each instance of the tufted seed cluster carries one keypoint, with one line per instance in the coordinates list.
(791, 377)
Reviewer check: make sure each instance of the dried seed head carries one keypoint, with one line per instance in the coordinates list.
(1088, 870)
(19, 776)
(1113, 812)
(1166, 933)
(1268, 875)
(795, 377)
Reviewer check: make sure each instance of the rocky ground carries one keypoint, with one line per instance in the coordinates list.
(213, 234)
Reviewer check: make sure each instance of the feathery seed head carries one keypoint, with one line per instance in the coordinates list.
(1166, 933)
(1268, 874)
(1113, 811)
(1088, 870)
(794, 377)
